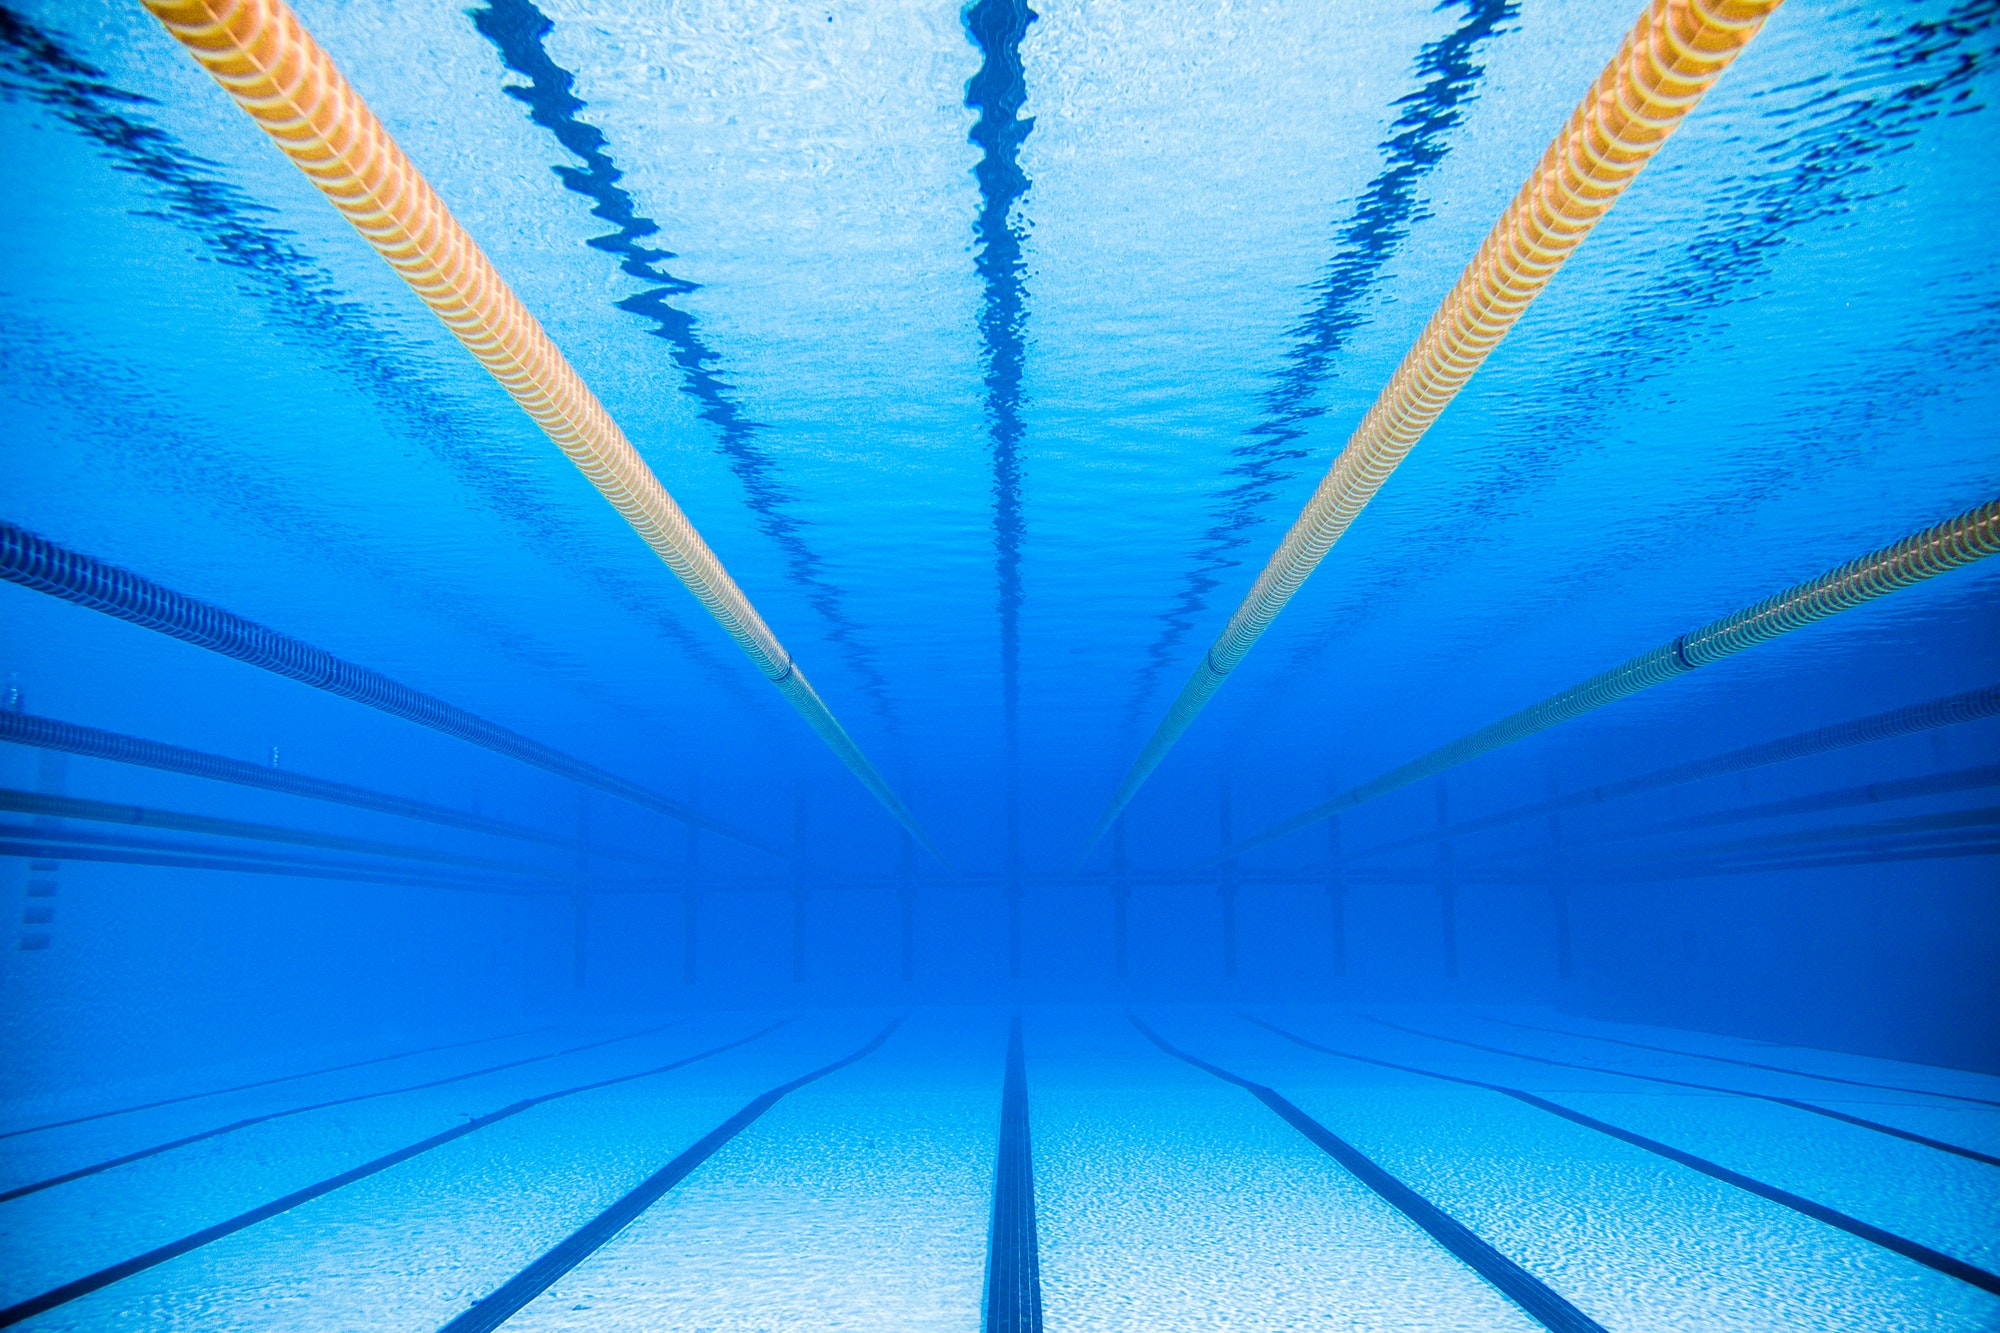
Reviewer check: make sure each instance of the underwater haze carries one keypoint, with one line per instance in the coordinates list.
(977, 872)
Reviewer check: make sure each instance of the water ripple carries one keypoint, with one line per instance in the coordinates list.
(303, 299)
(1817, 156)
(997, 92)
(1450, 72)
(517, 29)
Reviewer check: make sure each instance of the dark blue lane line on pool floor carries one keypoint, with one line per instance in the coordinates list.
(1747, 1064)
(1541, 1302)
(268, 1082)
(141, 1154)
(1819, 1212)
(593, 1235)
(104, 1277)
(1939, 1144)
(1013, 1251)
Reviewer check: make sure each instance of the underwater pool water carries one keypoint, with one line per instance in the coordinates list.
(1022, 887)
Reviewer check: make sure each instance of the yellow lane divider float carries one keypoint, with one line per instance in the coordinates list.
(1668, 61)
(1971, 536)
(262, 55)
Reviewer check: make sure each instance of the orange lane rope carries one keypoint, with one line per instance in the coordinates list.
(1668, 61)
(264, 58)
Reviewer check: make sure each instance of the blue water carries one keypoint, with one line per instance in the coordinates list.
(993, 348)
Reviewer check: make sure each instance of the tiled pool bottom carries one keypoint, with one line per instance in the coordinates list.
(1199, 1169)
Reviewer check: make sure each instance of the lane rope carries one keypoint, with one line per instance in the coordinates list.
(1953, 544)
(1668, 61)
(33, 561)
(266, 60)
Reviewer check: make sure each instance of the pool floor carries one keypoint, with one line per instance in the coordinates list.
(1192, 1168)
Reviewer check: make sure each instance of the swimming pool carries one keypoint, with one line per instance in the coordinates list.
(1246, 623)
